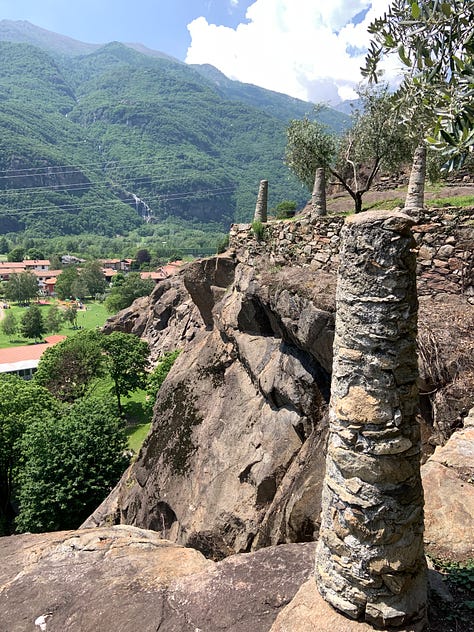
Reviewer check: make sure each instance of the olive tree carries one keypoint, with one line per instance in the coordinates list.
(375, 141)
(434, 41)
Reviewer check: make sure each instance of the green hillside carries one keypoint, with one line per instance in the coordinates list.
(103, 141)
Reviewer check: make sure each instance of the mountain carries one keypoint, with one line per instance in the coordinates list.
(100, 138)
(23, 32)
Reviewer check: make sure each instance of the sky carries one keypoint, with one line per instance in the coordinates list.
(309, 49)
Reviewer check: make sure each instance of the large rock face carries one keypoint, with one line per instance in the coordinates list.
(127, 579)
(448, 480)
(235, 459)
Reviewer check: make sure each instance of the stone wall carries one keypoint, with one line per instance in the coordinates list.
(444, 237)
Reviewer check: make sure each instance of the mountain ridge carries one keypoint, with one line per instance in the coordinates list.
(187, 142)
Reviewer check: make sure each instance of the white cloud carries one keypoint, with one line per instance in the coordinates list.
(309, 49)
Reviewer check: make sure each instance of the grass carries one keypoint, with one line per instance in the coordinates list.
(458, 615)
(136, 418)
(459, 201)
(386, 205)
(136, 436)
(93, 316)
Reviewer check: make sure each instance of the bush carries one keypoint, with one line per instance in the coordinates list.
(258, 229)
(285, 209)
(157, 377)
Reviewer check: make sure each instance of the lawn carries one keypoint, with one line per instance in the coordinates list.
(136, 436)
(137, 419)
(94, 315)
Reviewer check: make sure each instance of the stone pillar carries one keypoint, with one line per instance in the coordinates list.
(261, 207)
(370, 562)
(415, 199)
(318, 197)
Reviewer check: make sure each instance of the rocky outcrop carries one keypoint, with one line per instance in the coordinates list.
(228, 466)
(127, 579)
(124, 578)
(448, 480)
(178, 307)
(235, 458)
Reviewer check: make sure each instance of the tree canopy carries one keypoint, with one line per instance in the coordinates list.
(67, 368)
(21, 287)
(94, 278)
(126, 361)
(32, 323)
(309, 145)
(434, 40)
(9, 324)
(71, 464)
(65, 282)
(123, 293)
(21, 402)
(376, 140)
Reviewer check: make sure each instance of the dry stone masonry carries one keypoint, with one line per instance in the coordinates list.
(370, 562)
(262, 202)
(444, 237)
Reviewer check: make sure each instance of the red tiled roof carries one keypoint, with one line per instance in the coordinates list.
(36, 262)
(152, 275)
(47, 273)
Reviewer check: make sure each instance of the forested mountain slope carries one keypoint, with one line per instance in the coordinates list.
(101, 140)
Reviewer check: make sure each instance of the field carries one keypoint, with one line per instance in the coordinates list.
(93, 315)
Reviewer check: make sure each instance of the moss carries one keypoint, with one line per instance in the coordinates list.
(172, 440)
(215, 371)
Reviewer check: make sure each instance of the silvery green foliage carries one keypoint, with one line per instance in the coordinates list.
(435, 42)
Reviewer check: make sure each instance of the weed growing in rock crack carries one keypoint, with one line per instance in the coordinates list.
(258, 229)
(459, 578)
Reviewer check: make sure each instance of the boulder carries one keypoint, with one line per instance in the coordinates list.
(124, 578)
(308, 612)
(448, 481)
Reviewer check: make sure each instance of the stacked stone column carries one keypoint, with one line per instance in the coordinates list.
(318, 197)
(262, 201)
(370, 562)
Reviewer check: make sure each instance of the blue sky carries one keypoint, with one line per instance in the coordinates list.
(159, 24)
(310, 49)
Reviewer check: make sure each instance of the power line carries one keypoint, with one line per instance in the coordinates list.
(200, 194)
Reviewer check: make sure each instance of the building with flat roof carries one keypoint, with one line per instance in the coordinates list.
(23, 361)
